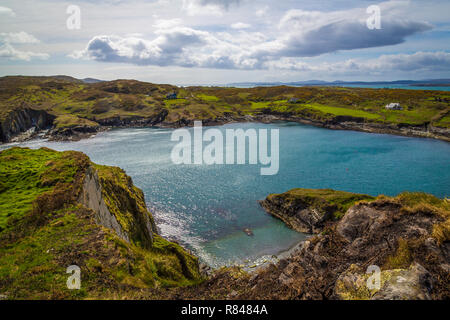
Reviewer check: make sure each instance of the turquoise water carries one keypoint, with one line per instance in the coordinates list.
(207, 207)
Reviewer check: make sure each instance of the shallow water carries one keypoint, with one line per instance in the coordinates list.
(207, 207)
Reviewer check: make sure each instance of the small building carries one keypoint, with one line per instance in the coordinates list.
(172, 95)
(393, 106)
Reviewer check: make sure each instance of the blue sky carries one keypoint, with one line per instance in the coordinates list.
(223, 41)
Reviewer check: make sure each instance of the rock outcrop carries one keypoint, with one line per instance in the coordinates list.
(307, 210)
(91, 197)
(60, 209)
(22, 120)
(407, 237)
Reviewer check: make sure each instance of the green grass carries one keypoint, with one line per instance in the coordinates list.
(70, 121)
(343, 111)
(327, 199)
(208, 98)
(25, 174)
(444, 122)
(172, 102)
(44, 230)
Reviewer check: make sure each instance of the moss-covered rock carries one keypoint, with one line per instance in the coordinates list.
(411, 283)
(306, 210)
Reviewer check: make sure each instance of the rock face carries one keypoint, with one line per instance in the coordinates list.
(406, 237)
(21, 120)
(91, 197)
(79, 213)
(307, 210)
(118, 204)
(413, 283)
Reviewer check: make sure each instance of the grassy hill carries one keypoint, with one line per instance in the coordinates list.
(78, 104)
(45, 227)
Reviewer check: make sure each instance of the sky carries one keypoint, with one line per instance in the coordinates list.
(213, 42)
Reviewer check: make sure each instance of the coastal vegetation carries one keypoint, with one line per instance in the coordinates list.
(59, 209)
(46, 227)
(79, 105)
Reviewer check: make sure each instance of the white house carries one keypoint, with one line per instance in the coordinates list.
(393, 106)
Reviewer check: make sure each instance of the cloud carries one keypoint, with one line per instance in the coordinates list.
(18, 37)
(240, 25)
(419, 61)
(312, 33)
(208, 7)
(220, 3)
(299, 34)
(416, 62)
(167, 23)
(7, 11)
(262, 12)
(9, 52)
(166, 49)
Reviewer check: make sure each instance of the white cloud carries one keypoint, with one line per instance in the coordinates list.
(18, 37)
(9, 52)
(207, 7)
(240, 25)
(167, 23)
(7, 11)
(416, 62)
(262, 12)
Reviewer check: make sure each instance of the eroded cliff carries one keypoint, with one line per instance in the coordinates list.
(59, 209)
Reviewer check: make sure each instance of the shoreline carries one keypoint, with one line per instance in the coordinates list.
(358, 125)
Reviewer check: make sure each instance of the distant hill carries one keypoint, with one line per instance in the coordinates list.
(428, 82)
(91, 80)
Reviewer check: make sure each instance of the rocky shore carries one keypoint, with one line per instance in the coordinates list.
(402, 242)
(28, 123)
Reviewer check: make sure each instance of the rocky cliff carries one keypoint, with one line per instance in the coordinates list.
(22, 120)
(405, 238)
(307, 210)
(60, 209)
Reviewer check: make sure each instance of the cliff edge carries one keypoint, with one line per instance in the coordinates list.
(59, 209)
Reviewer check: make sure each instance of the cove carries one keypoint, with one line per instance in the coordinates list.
(207, 207)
